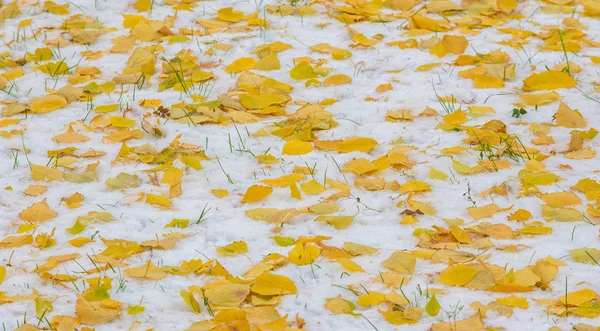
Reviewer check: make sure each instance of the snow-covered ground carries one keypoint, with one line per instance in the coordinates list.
(439, 130)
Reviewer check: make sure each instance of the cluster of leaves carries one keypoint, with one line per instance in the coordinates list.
(114, 135)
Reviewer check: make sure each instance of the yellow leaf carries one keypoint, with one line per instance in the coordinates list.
(358, 249)
(537, 178)
(583, 154)
(70, 137)
(539, 99)
(587, 185)
(285, 180)
(46, 174)
(256, 193)
(2, 273)
(284, 241)
(35, 190)
(371, 299)
(433, 306)
(146, 271)
(384, 87)
(397, 317)
(427, 67)
(267, 158)
(241, 64)
(338, 79)
(297, 147)
(460, 235)
(340, 306)
(27, 227)
(481, 110)
(586, 255)
(233, 249)
(228, 14)
(192, 161)
(225, 294)
(514, 301)
(507, 5)
(363, 40)
(323, 48)
(306, 10)
(357, 144)
(414, 186)
(38, 212)
(96, 312)
(340, 54)
(144, 32)
(339, 222)
(302, 71)
(79, 242)
(150, 103)
(261, 213)
(465, 169)
(440, 6)
(181, 223)
(455, 44)
(55, 8)
(106, 108)
(16, 241)
(520, 215)
(359, 166)
(548, 80)
(590, 309)
(172, 176)
(143, 5)
(470, 324)
(436, 174)
(424, 22)
(271, 284)
(294, 191)
(569, 118)
(561, 214)
(577, 298)
(269, 62)
(74, 201)
(457, 275)
(134, 310)
(122, 122)
(456, 118)
(401, 262)
(486, 81)
(19, 71)
(219, 193)
(392, 279)
(484, 211)
(190, 301)
(560, 199)
(274, 47)
(525, 277)
(42, 306)
(159, 200)
(123, 181)
(254, 101)
(312, 187)
(46, 104)
(530, 230)
(349, 265)
(323, 208)
(25, 23)
(303, 254)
